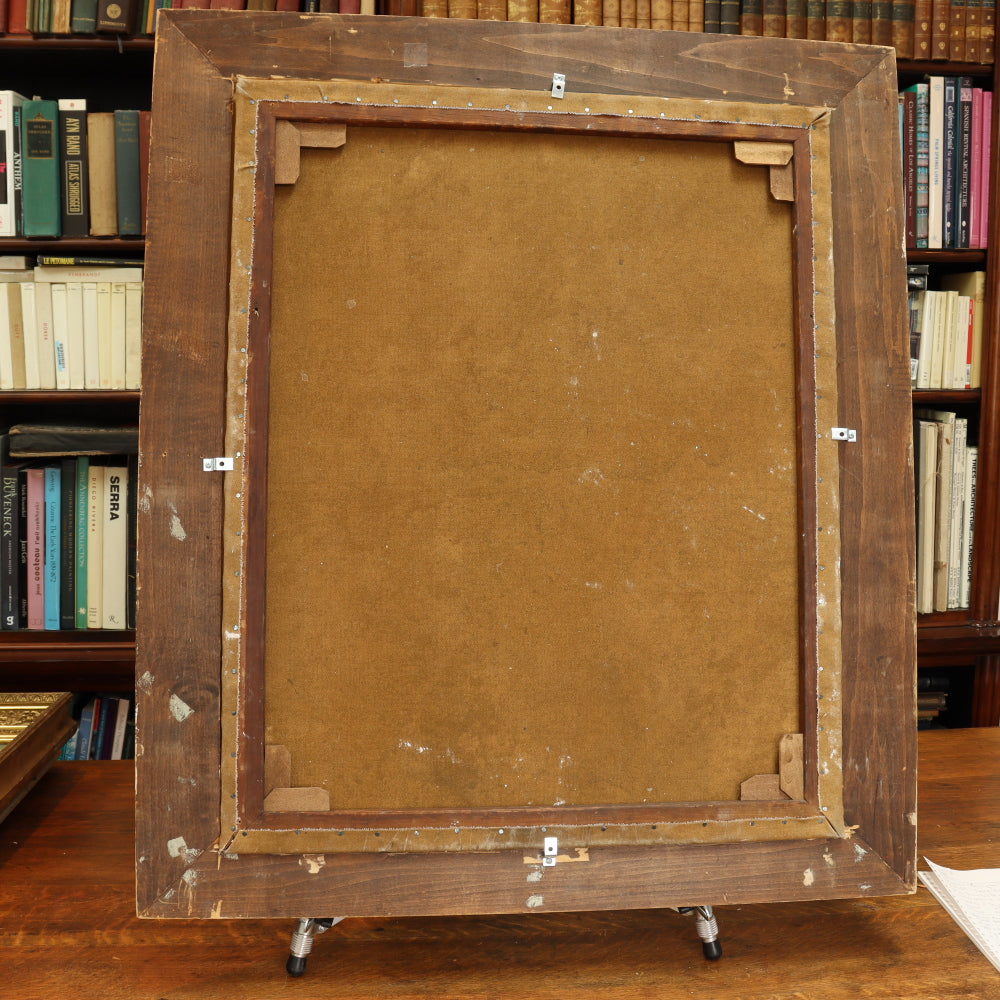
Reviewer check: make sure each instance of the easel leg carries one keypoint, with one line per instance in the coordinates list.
(302, 941)
(707, 928)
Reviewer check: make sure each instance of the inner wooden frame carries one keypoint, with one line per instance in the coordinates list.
(264, 112)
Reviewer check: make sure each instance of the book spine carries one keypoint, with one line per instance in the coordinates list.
(67, 544)
(923, 164)
(987, 28)
(752, 17)
(10, 145)
(95, 545)
(922, 15)
(861, 22)
(795, 19)
(838, 20)
(956, 31)
(963, 163)
(40, 169)
(73, 167)
(940, 29)
(882, 22)
(909, 142)
(52, 556)
(729, 16)
(102, 183)
(976, 221)
(60, 333)
(116, 17)
(973, 13)
(936, 157)
(80, 541)
(127, 178)
(35, 479)
(949, 161)
(984, 195)
(83, 17)
(115, 546)
(10, 558)
(775, 16)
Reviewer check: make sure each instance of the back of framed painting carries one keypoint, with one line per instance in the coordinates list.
(494, 474)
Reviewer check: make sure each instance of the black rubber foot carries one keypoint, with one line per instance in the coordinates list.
(295, 965)
(712, 950)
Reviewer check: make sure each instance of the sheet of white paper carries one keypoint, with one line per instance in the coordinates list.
(973, 900)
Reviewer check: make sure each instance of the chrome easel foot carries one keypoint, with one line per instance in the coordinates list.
(707, 928)
(302, 941)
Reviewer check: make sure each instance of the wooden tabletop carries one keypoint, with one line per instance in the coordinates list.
(68, 929)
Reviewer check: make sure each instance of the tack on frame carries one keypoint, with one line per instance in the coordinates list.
(205, 846)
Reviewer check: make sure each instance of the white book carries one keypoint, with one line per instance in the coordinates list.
(74, 340)
(936, 152)
(55, 272)
(32, 379)
(133, 334)
(943, 511)
(926, 499)
(60, 334)
(95, 546)
(971, 470)
(115, 511)
(46, 338)
(10, 161)
(957, 529)
(6, 352)
(104, 333)
(121, 726)
(118, 335)
(91, 354)
(962, 366)
(944, 350)
(925, 358)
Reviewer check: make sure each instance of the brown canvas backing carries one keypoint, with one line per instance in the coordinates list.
(532, 471)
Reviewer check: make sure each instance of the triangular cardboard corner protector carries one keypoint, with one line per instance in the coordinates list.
(303, 799)
(763, 154)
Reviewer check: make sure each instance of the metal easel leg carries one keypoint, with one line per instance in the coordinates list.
(302, 941)
(707, 928)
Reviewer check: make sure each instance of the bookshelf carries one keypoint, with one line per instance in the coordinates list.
(109, 73)
(116, 72)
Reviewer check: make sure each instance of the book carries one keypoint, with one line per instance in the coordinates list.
(122, 714)
(83, 17)
(60, 333)
(11, 337)
(74, 334)
(925, 454)
(47, 440)
(133, 334)
(10, 540)
(73, 167)
(52, 552)
(81, 513)
(127, 178)
(10, 163)
(91, 355)
(89, 718)
(102, 184)
(115, 547)
(29, 328)
(956, 31)
(940, 29)
(41, 215)
(973, 285)
(950, 162)
(935, 163)
(116, 17)
(95, 546)
(969, 527)
(35, 493)
(67, 543)
(45, 337)
(963, 161)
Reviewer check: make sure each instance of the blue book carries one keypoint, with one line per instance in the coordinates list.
(85, 734)
(53, 522)
(82, 497)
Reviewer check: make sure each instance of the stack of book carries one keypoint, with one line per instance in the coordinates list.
(946, 329)
(946, 470)
(952, 30)
(106, 730)
(945, 129)
(72, 327)
(71, 173)
(67, 544)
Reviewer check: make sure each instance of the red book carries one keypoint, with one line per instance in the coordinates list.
(17, 17)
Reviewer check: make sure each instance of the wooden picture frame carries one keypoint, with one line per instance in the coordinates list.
(423, 577)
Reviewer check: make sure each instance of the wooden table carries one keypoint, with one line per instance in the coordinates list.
(68, 929)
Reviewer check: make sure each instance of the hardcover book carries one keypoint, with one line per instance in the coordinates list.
(40, 168)
(73, 167)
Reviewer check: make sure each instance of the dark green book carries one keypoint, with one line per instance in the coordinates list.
(40, 169)
(83, 17)
(127, 175)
